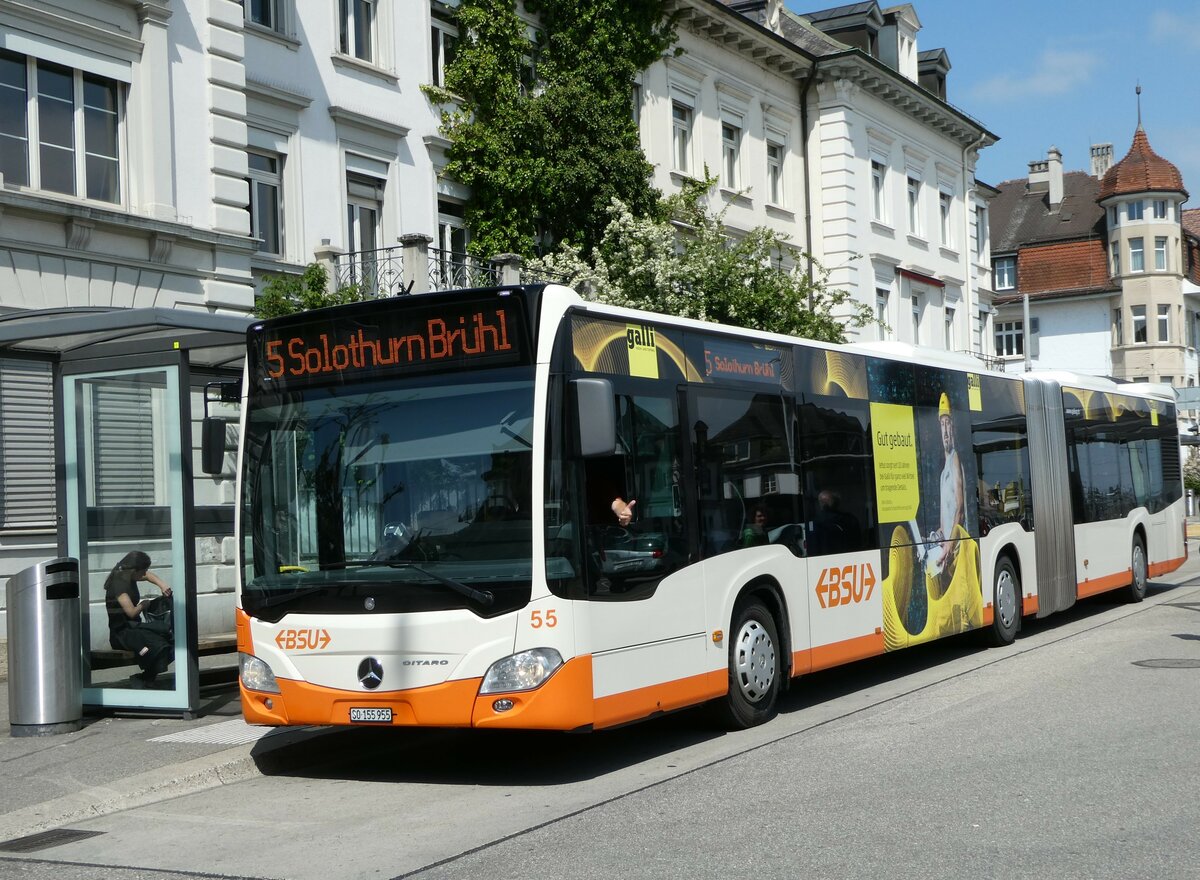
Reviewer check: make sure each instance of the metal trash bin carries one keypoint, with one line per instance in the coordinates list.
(45, 693)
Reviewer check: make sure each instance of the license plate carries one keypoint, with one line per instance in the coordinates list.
(373, 715)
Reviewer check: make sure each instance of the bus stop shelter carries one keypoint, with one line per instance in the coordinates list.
(128, 400)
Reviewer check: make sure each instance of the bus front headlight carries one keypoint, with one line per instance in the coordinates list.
(257, 675)
(521, 672)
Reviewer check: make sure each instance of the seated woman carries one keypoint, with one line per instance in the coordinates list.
(152, 644)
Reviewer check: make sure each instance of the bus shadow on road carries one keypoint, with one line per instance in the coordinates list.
(525, 758)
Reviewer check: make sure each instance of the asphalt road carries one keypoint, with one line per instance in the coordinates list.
(1070, 754)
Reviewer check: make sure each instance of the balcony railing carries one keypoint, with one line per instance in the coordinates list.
(449, 270)
(376, 273)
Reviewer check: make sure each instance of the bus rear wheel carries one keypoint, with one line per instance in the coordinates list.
(1136, 591)
(1006, 604)
(755, 668)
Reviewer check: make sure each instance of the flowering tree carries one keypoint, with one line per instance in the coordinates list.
(689, 265)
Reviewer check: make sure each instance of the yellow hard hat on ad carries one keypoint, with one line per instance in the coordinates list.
(944, 405)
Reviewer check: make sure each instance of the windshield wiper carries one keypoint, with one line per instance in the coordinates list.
(483, 597)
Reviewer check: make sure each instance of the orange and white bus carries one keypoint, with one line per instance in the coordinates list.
(512, 507)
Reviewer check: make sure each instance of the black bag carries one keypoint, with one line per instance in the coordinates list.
(159, 616)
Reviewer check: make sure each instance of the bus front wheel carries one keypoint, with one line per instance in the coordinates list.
(1137, 563)
(754, 668)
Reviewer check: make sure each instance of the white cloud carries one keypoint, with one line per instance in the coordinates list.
(1054, 72)
(1172, 27)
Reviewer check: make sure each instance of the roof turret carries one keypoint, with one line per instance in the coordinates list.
(1142, 170)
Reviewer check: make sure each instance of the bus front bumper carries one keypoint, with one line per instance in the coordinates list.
(563, 702)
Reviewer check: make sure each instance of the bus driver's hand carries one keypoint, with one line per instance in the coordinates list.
(623, 510)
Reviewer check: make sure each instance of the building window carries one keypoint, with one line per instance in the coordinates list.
(443, 40)
(731, 147)
(1114, 216)
(1115, 248)
(1133, 211)
(75, 121)
(1005, 270)
(1118, 328)
(1137, 256)
(266, 201)
(1164, 323)
(916, 320)
(882, 295)
(1160, 253)
(945, 202)
(357, 24)
(265, 13)
(1010, 338)
(1167, 380)
(1160, 209)
(914, 205)
(635, 105)
(1139, 323)
(775, 172)
(949, 340)
(681, 136)
(879, 191)
(981, 232)
(364, 205)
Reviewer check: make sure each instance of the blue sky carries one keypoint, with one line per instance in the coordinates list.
(1063, 72)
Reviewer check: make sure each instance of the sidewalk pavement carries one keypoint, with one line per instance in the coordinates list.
(119, 762)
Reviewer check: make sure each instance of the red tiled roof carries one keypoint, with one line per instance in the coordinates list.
(1142, 170)
(1191, 221)
(1072, 268)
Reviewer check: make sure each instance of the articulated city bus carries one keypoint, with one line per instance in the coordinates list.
(511, 507)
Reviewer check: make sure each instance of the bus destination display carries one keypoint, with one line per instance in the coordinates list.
(391, 337)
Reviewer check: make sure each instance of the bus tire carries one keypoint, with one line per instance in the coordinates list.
(755, 667)
(1006, 604)
(1136, 591)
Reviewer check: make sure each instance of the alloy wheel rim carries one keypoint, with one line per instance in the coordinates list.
(1006, 598)
(754, 661)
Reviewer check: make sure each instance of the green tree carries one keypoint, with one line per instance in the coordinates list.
(688, 265)
(543, 133)
(1191, 469)
(288, 294)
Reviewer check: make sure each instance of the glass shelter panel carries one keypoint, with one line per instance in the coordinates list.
(125, 501)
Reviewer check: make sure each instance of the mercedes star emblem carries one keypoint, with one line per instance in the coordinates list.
(370, 673)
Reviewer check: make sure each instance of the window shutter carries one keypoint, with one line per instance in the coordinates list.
(1033, 337)
(124, 465)
(26, 444)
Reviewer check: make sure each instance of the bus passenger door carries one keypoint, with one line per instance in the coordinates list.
(646, 609)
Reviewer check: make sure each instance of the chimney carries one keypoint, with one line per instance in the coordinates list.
(1101, 159)
(1054, 168)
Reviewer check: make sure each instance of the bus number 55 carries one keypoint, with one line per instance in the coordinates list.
(537, 619)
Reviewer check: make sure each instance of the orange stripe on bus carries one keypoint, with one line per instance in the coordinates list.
(1157, 568)
(1104, 583)
(241, 622)
(828, 656)
(643, 702)
(989, 614)
(1029, 605)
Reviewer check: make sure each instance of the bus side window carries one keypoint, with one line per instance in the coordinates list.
(839, 479)
(748, 482)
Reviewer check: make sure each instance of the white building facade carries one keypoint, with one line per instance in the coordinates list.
(172, 153)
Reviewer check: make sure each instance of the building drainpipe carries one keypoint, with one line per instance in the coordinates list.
(968, 206)
(808, 230)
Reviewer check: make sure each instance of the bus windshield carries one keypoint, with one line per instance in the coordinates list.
(390, 496)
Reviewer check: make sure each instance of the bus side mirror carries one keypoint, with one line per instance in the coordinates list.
(596, 416)
(212, 445)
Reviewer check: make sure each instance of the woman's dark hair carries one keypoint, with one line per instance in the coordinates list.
(134, 560)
